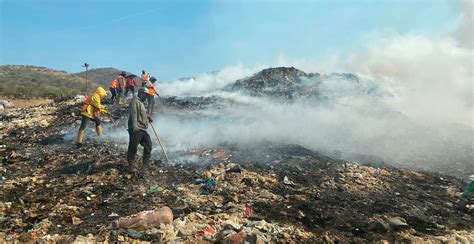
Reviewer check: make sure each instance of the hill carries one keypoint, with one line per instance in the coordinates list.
(101, 76)
(24, 81)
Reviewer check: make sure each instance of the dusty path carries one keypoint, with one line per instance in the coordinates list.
(26, 103)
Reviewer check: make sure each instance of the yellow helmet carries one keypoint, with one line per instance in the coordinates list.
(206, 175)
(101, 91)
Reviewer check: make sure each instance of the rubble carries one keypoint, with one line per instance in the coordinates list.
(6, 104)
(52, 191)
(147, 219)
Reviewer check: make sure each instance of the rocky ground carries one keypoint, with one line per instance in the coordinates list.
(52, 190)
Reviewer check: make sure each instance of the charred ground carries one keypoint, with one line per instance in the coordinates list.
(302, 195)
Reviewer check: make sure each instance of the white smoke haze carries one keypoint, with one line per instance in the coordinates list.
(412, 105)
(353, 120)
(431, 78)
(464, 34)
(204, 83)
(434, 78)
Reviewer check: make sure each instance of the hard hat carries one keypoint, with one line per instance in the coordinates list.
(206, 175)
(101, 91)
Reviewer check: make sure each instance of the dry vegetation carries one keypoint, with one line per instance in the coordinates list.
(20, 81)
(101, 76)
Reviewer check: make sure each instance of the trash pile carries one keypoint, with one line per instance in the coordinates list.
(279, 82)
(51, 190)
(6, 104)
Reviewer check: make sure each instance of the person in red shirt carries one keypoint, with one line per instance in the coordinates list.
(131, 85)
(145, 78)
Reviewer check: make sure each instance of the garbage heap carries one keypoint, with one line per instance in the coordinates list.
(53, 191)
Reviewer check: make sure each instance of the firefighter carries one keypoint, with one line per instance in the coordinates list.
(117, 88)
(138, 120)
(131, 85)
(91, 110)
(145, 78)
(150, 95)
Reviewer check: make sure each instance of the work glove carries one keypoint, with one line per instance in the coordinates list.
(150, 119)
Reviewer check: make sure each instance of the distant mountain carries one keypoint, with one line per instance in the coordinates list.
(24, 81)
(101, 76)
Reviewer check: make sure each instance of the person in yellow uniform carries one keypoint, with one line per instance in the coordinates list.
(91, 110)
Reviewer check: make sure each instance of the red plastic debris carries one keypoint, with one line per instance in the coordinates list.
(248, 211)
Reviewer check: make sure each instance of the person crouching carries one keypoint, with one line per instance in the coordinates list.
(137, 129)
(91, 110)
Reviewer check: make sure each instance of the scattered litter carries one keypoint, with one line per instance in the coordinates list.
(76, 221)
(286, 181)
(154, 189)
(246, 200)
(146, 219)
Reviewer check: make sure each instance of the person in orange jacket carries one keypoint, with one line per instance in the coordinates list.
(91, 110)
(117, 87)
(150, 95)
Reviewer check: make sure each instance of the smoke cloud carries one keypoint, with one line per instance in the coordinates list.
(412, 105)
(355, 118)
(204, 83)
(464, 33)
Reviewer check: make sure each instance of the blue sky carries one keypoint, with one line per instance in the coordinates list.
(173, 39)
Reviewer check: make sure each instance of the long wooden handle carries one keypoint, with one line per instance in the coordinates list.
(112, 119)
(159, 142)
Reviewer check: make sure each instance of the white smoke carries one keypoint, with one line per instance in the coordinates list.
(432, 78)
(355, 118)
(205, 83)
(464, 34)
(413, 103)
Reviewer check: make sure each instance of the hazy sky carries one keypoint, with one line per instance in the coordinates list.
(173, 39)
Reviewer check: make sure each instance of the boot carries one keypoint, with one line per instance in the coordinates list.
(80, 137)
(98, 130)
(125, 163)
(132, 162)
(146, 162)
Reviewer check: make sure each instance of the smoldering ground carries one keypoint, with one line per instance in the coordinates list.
(356, 119)
(412, 105)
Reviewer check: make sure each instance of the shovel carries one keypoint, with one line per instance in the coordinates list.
(112, 119)
(159, 142)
